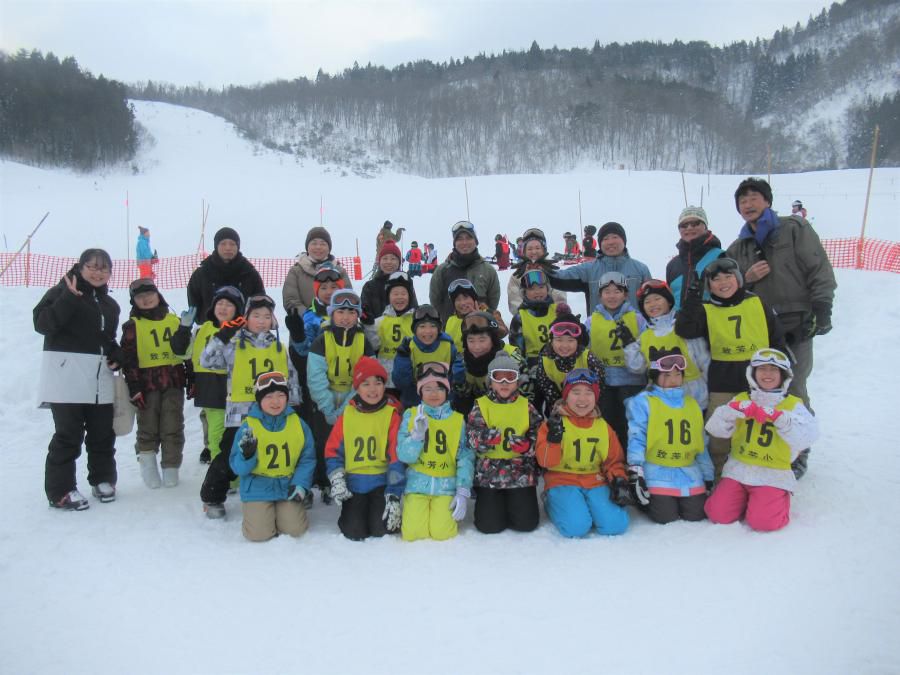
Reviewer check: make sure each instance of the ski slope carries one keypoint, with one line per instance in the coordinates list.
(148, 584)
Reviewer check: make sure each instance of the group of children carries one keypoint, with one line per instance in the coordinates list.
(404, 420)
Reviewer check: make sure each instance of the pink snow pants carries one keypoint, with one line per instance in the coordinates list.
(765, 509)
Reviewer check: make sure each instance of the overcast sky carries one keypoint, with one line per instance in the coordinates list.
(223, 42)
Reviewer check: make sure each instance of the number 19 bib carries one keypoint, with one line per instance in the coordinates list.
(438, 457)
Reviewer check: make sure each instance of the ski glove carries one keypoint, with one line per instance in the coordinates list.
(298, 494)
(229, 328)
(187, 317)
(619, 492)
(248, 443)
(391, 515)
(491, 437)
(520, 444)
(339, 490)
(638, 485)
(459, 503)
(554, 429)
(420, 425)
(821, 321)
(623, 332)
(694, 289)
(138, 401)
(294, 323)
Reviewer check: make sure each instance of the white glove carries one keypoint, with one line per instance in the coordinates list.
(459, 504)
(339, 490)
(730, 415)
(391, 515)
(187, 317)
(782, 422)
(420, 425)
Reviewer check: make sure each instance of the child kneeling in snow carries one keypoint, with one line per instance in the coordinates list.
(585, 479)
(433, 442)
(669, 466)
(361, 457)
(768, 428)
(274, 454)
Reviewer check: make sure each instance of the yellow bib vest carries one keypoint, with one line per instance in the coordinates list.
(556, 375)
(438, 457)
(442, 354)
(277, 452)
(668, 342)
(201, 339)
(604, 343)
(391, 332)
(536, 330)
(583, 450)
(509, 418)
(342, 359)
(674, 435)
(366, 440)
(154, 347)
(761, 444)
(454, 330)
(737, 333)
(249, 363)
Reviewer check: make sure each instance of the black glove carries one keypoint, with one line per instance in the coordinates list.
(554, 429)
(822, 319)
(619, 492)
(294, 323)
(366, 318)
(695, 288)
(248, 444)
(229, 328)
(638, 486)
(623, 332)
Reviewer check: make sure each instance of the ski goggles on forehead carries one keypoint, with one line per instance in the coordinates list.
(398, 276)
(581, 376)
(504, 376)
(668, 363)
(534, 278)
(433, 369)
(771, 357)
(722, 265)
(269, 380)
(534, 233)
(458, 284)
(566, 329)
(652, 285)
(463, 226)
(261, 301)
(328, 274)
(479, 321)
(426, 312)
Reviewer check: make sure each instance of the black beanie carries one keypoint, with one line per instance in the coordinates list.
(227, 233)
(611, 228)
(753, 185)
(318, 233)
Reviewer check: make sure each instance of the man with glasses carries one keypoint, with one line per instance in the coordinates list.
(464, 262)
(697, 247)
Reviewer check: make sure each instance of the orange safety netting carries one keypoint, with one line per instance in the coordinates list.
(37, 269)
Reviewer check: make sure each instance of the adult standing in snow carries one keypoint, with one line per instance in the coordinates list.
(225, 266)
(385, 234)
(464, 262)
(78, 320)
(144, 255)
(374, 293)
(614, 257)
(784, 263)
(297, 293)
(697, 247)
(534, 257)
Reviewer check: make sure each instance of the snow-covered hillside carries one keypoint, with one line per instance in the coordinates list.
(147, 584)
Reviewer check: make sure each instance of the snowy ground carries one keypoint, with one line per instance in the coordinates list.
(147, 584)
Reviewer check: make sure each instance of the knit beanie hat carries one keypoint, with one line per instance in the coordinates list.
(389, 248)
(143, 230)
(433, 371)
(581, 376)
(266, 383)
(693, 213)
(611, 228)
(227, 233)
(318, 233)
(753, 185)
(503, 361)
(365, 368)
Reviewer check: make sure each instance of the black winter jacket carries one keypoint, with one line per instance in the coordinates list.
(214, 273)
(374, 298)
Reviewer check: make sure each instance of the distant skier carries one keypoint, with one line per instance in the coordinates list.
(501, 252)
(145, 256)
(414, 258)
(797, 209)
(588, 243)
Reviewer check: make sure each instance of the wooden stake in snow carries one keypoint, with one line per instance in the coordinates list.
(204, 214)
(862, 232)
(26, 244)
(684, 188)
(466, 185)
(127, 230)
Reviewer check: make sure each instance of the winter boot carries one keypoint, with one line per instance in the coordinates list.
(326, 496)
(308, 500)
(205, 456)
(170, 476)
(149, 470)
(71, 501)
(214, 511)
(105, 492)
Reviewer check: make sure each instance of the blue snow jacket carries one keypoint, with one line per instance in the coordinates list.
(329, 402)
(403, 376)
(620, 376)
(314, 319)
(681, 479)
(409, 449)
(256, 488)
(143, 251)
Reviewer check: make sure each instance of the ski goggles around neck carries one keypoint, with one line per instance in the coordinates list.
(668, 363)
